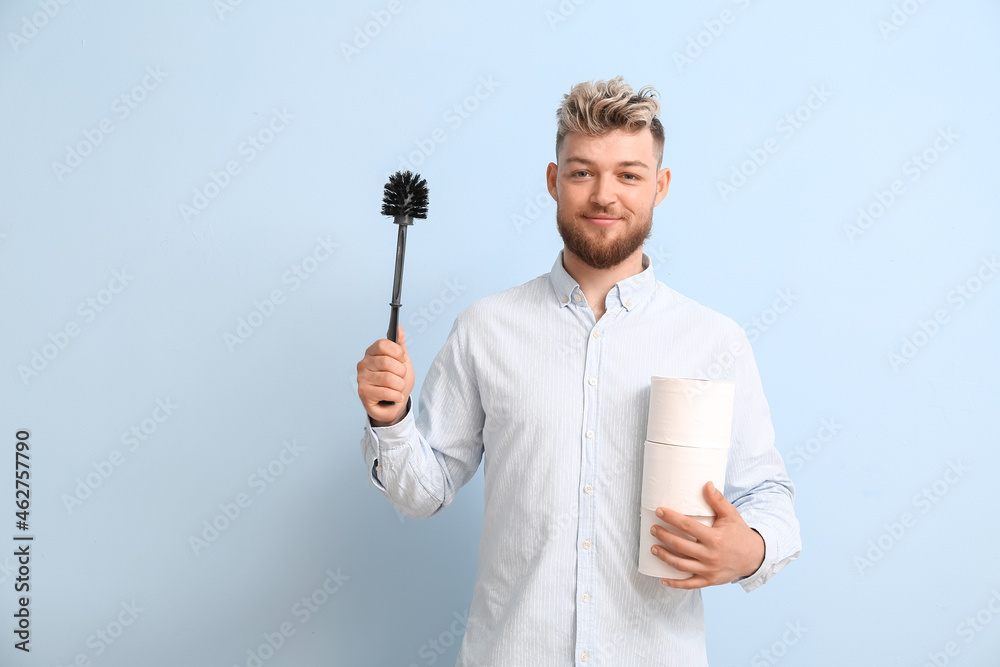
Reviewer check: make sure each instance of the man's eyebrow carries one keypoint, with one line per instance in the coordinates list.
(624, 163)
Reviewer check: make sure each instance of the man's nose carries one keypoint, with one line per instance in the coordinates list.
(604, 192)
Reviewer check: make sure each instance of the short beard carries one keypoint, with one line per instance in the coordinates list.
(604, 256)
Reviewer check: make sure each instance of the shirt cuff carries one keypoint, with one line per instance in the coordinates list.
(763, 573)
(385, 438)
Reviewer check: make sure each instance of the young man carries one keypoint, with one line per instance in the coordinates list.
(550, 382)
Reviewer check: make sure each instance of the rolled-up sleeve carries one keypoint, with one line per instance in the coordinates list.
(420, 463)
(756, 481)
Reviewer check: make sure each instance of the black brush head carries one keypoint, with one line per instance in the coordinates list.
(405, 196)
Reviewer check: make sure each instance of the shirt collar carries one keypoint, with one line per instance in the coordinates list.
(630, 292)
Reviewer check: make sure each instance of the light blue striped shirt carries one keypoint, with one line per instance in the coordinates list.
(554, 402)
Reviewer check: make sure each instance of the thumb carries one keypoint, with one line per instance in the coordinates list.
(402, 341)
(717, 500)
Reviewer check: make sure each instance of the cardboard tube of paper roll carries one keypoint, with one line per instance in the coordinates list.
(675, 476)
(650, 564)
(690, 412)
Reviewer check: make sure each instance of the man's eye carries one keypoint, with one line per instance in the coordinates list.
(577, 173)
(632, 176)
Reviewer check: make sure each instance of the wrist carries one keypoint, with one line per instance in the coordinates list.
(402, 414)
(758, 552)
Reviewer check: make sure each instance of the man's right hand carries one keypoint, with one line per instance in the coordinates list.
(386, 374)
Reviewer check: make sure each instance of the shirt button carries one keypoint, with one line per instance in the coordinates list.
(379, 468)
(588, 489)
(590, 433)
(586, 544)
(597, 334)
(565, 299)
(585, 597)
(584, 657)
(592, 381)
(628, 303)
(577, 297)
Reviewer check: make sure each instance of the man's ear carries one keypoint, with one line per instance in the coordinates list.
(551, 172)
(662, 185)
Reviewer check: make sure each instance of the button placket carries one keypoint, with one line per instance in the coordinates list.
(586, 577)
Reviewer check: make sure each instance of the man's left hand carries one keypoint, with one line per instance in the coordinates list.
(728, 550)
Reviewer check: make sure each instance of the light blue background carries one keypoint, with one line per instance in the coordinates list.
(353, 117)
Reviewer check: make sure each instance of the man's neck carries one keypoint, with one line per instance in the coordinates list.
(596, 283)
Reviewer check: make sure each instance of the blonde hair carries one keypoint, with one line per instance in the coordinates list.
(597, 108)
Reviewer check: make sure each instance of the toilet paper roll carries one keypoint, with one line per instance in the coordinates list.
(674, 476)
(690, 412)
(650, 564)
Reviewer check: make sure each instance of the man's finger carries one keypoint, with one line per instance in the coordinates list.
(384, 394)
(692, 527)
(384, 347)
(679, 563)
(387, 379)
(678, 544)
(385, 363)
(696, 581)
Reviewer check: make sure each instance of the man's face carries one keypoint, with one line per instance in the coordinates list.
(605, 190)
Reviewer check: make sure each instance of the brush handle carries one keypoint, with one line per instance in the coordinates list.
(393, 323)
(397, 287)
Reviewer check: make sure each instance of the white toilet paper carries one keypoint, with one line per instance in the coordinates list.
(690, 412)
(674, 476)
(650, 564)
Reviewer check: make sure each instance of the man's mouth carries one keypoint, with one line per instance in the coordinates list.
(603, 220)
